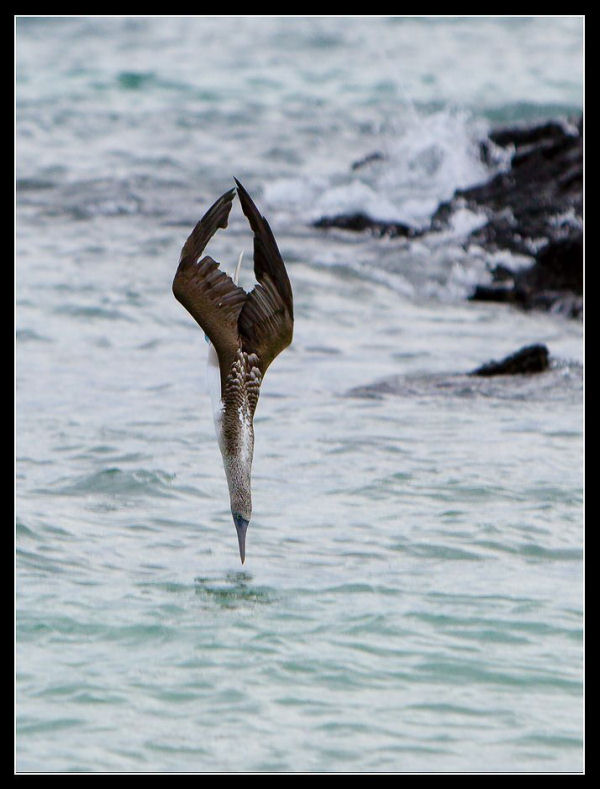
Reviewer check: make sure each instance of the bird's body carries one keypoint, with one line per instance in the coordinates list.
(246, 331)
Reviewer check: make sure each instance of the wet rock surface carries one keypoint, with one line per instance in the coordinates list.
(538, 199)
(534, 207)
(360, 221)
(527, 360)
(553, 282)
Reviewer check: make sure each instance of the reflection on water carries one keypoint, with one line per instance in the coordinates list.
(234, 590)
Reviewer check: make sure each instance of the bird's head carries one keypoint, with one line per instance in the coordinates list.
(238, 467)
(241, 526)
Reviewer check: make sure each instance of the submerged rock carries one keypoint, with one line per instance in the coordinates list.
(530, 359)
(513, 378)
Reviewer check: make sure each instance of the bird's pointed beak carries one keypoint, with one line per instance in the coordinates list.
(241, 526)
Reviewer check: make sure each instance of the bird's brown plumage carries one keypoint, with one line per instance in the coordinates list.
(259, 322)
(247, 331)
(266, 321)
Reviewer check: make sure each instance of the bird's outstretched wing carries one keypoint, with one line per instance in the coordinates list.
(266, 320)
(207, 293)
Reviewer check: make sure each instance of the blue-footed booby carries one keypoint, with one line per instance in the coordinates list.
(245, 331)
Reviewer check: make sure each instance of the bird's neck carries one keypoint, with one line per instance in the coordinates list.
(235, 435)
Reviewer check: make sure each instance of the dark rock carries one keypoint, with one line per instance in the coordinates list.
(372, 157)
(553, 282)
(558, 266)
(527, 135)
(530, 359)
(502, 293)
(359, 222)
(534, 209)
(524, 204)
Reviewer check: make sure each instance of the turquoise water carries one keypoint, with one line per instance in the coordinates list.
(412, 593)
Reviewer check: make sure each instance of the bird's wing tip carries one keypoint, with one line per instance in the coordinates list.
(229, 196)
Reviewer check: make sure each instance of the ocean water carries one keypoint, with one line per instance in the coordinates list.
(412, 594)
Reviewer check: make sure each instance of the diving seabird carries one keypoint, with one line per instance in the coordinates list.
(245, 331)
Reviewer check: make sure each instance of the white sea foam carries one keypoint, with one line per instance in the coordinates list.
(423, 158)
